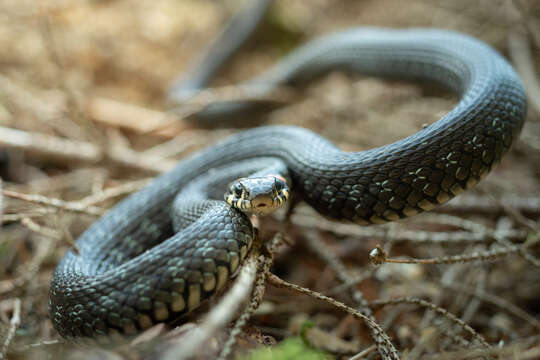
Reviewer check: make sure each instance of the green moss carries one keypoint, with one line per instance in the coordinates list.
(293, 349)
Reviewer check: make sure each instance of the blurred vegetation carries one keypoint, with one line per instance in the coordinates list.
(83, 120)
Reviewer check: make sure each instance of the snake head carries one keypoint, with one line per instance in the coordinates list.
(258, 195)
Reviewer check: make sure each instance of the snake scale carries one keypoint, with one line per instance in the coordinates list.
(135, 268)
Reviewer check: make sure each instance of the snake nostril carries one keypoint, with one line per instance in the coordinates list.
(261, 205)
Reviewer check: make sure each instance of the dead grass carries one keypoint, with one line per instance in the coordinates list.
(83, 122)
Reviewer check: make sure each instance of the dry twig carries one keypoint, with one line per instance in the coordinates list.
(255, 301)
(497, 301)
(48, 146)
(265, 262)
(518, 43)
(45, 231)
(56, 203)
(399, 234)
(125, 188)
(128, 116)
(486, 205)
(438, 310)
(220, 314)
(384, 346)
(322, 250)
(13, 325)
(364, 353)
(69, 151)
(378, 256)
(514, 351)
(44, 244)
(2, 220)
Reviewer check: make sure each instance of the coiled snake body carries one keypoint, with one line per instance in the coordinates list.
(133, 270)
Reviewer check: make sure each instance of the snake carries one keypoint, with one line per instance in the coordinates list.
(165, 249)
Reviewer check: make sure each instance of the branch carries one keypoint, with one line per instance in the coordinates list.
(13, 325)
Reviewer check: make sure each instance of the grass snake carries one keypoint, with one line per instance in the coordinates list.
(147, 261)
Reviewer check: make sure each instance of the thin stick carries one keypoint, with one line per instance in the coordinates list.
(2, 220)
(44, 245)
(50, 115)
(50, 146)
(265, 263)
(220, 315)
(56, 203)
(256, 298)
(364, 353)
(384, 346)
(378, 256)
(308, 219)
(486, 205)
(317, 245)
(125, 188)
(143, 120)
(127, 157)
(36, 213)
(69, 151)
(45, 231)
(128, 116)
(497, 301)
(438, 310)
(13, 325)
(514, 352)
(520, 52)
(72, 105)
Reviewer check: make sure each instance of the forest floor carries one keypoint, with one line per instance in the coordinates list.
(84, 122)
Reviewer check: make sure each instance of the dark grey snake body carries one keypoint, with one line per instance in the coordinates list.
(133, 271)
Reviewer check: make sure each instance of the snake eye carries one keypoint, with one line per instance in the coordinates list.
(278, 185)
(237, 190)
